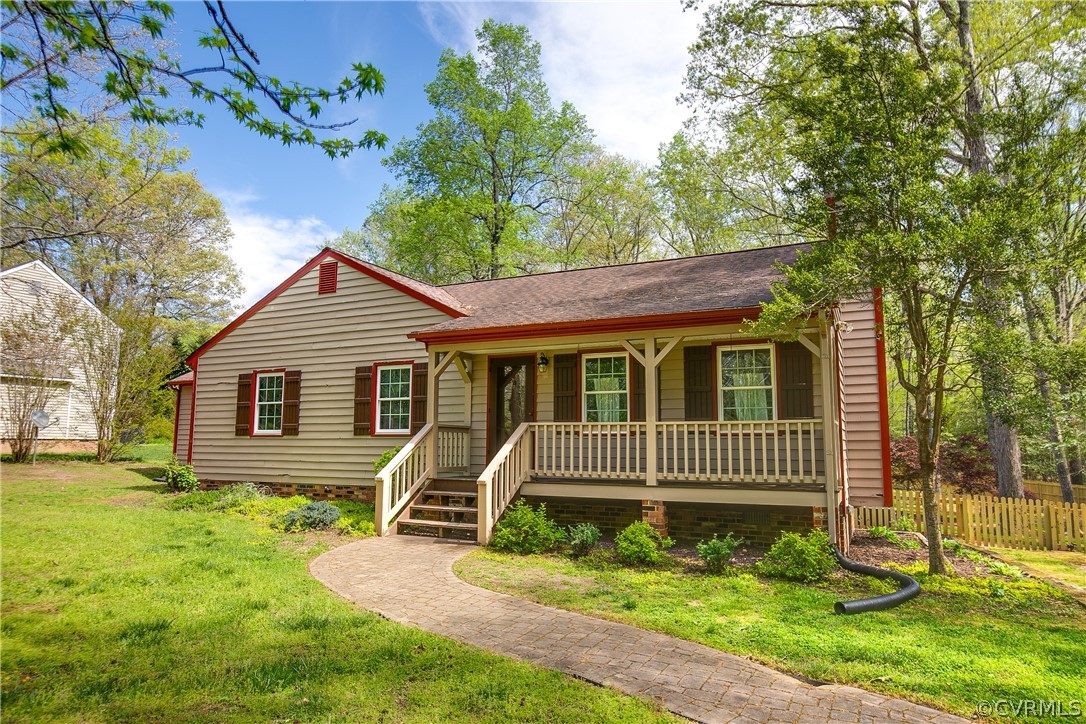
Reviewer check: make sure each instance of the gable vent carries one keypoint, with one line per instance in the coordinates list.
(329, 277)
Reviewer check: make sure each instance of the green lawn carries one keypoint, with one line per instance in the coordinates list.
(962, 641)
(114, 607)
(1068, 567)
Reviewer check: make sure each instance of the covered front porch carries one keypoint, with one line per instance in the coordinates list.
(538, 418)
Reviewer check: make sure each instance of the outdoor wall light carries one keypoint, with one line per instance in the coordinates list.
(543, 362)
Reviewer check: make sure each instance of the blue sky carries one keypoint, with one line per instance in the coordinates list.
(619, 63)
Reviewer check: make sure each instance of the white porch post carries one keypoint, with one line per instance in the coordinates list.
(651, 413)
(830, 403)
(432, 393)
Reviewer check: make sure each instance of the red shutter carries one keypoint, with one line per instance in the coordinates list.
(329, 277)
(292, 393)
(363, 399)
(243, 416)
(698, 397)
(566, 408)
(419, 379)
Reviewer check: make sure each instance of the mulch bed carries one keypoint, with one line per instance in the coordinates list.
(879, 552)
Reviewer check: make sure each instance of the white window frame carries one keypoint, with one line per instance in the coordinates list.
(377, 399)
(772, 387)
(257, 404)
(584, 384)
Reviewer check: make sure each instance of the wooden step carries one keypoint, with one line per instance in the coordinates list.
(446, 508)
(452, 493)
(439, 524)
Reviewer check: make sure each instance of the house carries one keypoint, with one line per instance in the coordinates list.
(613, 394)
(41, 368)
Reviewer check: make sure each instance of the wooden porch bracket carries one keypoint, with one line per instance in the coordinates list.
(810, 345)
(465, 376)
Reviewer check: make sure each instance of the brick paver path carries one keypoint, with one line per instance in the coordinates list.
(411, 581)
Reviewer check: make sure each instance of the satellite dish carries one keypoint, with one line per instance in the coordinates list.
(40, 418)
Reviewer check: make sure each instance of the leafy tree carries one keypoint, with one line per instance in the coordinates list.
(481, 171)
(52, 50)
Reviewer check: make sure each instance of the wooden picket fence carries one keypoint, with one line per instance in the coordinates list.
(988, 521)
(1051, 491)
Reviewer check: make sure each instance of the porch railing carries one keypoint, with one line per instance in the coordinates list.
(590, 449)
(501, 480)
(402, 478)
(774, 451)
(453, 447)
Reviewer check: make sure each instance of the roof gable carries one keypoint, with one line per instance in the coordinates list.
(41, 267)
(433, 296)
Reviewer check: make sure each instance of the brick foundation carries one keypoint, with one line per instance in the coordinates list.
(610, 516)
(654, 512)
(756, 524)
(360, 493)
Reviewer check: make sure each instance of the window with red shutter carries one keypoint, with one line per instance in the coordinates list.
(329, 277)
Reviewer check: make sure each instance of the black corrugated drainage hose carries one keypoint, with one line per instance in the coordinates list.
(909, 588)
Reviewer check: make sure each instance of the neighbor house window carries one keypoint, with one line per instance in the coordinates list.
(746, 383)
(269, 403)
(605, 381)
(394, 399)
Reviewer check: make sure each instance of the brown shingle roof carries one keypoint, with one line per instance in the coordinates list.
(714, 282)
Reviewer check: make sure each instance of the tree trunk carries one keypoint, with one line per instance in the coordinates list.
(1076, 470)
(1006, 456)
(927, 444)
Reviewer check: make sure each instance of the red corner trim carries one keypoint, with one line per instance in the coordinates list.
(884, 401)
(589, 326)
(324, 255)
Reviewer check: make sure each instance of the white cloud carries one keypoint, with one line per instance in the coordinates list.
(620, 63)
(267, 248)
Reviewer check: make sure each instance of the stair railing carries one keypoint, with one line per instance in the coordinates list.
(401, 479)
(502, 478)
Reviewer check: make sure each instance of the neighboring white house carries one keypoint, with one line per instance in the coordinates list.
(35, 289)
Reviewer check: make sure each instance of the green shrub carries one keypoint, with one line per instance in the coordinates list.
(582, 538)
(884, 533)
(717, 553)
(267, 508)
(181, 478)
(640, 544)
(798, 557)
(158, 429)
(355, 519)
(384, 459)
(312, 516)
(524, 529)
(237, 495)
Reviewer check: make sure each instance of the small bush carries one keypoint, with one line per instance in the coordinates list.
(524, 529)
(158, 429)
(582, 538)
(384, 459)
(884, 533)
(640, 544)
(717, 553)
(235, 496)
(267, 508)
(181, 478)
(796, 557)
(312, 516)
(355, 519)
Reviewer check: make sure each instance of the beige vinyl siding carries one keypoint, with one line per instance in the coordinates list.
(326, 337)
(184, 418)
(861, 414)
(31, 288)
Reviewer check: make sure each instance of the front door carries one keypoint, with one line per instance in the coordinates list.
(511, 398)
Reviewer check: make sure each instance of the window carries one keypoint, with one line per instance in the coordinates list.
(269, 404)
(394, 399)
(746, 383)
(606, 398)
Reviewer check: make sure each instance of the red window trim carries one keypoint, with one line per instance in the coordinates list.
(375, 405)
(329, 288)
(252, 402)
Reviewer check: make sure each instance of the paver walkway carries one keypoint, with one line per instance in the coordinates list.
(411, 581)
